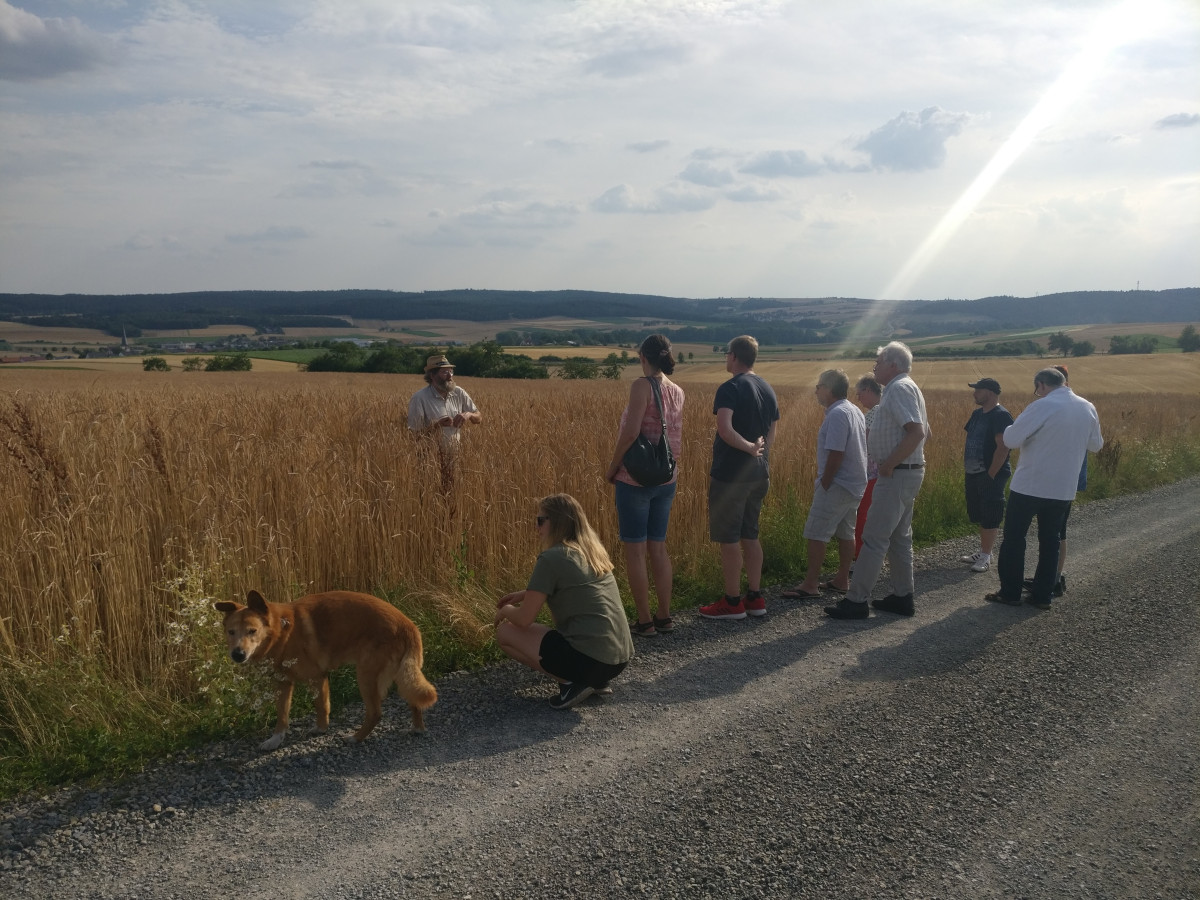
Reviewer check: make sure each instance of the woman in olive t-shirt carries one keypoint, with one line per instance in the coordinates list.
(590, 643)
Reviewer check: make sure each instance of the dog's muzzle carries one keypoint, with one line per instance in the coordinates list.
(238, 655)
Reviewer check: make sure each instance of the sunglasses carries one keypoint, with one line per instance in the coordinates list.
(541, 520)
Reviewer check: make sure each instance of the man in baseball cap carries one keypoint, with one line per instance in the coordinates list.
(985, 460)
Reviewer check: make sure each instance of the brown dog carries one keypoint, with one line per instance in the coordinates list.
(308, 639)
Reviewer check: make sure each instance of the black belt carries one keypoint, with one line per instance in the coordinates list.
(909, 466)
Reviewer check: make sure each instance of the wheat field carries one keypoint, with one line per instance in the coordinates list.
(120, 486)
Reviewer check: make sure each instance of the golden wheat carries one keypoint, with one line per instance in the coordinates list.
(119, 486)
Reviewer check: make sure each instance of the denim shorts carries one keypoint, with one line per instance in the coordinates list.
(643, 512)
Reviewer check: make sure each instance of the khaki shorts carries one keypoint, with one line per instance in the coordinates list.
(833, 512)
(733, 509)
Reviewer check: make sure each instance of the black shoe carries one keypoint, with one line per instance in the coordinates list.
(571, 693)
(1000, 598)
(847, 609)
(901, 606)
(1060, 586)
(1038, 604)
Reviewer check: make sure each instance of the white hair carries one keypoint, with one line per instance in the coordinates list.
(898, 354)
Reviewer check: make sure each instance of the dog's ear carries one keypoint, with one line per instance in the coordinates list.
(256, 602)
(227, 606)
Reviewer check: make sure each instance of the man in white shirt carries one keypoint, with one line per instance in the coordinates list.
(1054, 434)
(841, 482)
(897, 440)
(442, 406)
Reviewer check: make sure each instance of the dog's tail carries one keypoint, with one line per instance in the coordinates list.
(412, 684)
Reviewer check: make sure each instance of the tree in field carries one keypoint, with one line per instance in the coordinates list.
(155, 364)
(1132, 343)
(193, 363)
(1189, 341)
(612, 366)
(579, 367)
(1061, 342)
(225, 362)
(1083, 348)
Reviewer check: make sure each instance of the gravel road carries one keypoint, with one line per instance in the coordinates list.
(973, 751)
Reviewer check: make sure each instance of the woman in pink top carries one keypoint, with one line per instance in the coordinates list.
(643, 512)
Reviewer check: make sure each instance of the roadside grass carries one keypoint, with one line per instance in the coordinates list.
(85, 704)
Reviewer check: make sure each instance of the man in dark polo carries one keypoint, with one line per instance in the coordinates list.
(985, 461)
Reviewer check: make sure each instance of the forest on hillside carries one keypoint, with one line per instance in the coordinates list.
(792, 321)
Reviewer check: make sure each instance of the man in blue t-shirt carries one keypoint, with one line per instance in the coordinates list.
(747, 412)
(985, 461)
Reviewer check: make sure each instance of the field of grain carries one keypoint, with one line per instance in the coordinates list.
(134, 499)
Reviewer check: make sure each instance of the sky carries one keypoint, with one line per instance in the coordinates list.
(881, 149)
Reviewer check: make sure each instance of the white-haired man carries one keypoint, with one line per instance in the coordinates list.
(897, 440)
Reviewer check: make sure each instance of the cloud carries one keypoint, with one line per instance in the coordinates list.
(334, 178)
(913, 142)
(753, 193)
(562, 145)
(32, 48)
(648, 146)
(710, 153)
(1179, 120)
(706, 174)
(1103, 210)
(621, 199)
(510, 215)
(782, 164)
(499, 224)
(639, 61)
(275, 234)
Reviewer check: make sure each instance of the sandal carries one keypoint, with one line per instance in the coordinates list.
(662, 626)
(643, 629)
(798, 594)
(830, 586)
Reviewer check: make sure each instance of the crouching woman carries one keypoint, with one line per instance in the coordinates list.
(590, 643)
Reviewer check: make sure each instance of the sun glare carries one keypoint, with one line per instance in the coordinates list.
(1119, 25)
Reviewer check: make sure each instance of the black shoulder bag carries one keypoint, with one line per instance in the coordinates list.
(651, 464)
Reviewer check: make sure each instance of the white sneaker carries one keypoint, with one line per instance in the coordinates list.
(981, 564)
(974, 557)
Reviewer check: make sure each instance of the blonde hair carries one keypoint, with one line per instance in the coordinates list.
(569, 526)
(744, 349)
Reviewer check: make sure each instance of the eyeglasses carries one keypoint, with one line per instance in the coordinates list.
(541, 520)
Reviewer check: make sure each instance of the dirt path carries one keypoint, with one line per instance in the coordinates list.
(973, 751)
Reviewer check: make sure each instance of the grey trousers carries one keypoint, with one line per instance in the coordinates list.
(888, 534)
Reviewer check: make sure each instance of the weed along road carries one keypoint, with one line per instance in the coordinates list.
(972, 751)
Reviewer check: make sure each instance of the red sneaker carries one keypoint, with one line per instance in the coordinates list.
(755, 604)
(723, 609)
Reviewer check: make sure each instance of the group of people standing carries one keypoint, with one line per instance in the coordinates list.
(870, 467)
(591, 641)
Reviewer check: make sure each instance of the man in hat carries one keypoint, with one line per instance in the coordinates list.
(442, 406)
(985, 459)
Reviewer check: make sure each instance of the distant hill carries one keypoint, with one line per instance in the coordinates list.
(791, 319)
